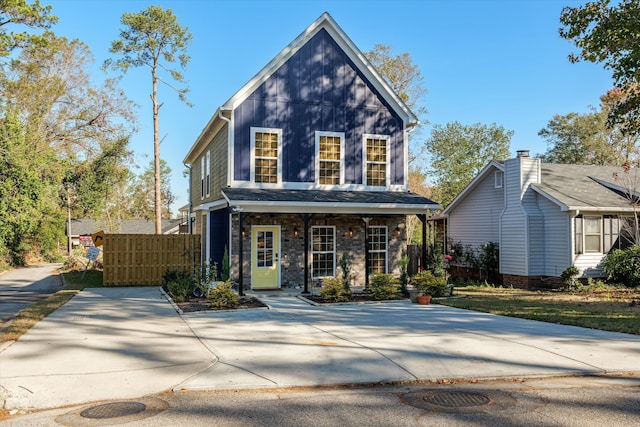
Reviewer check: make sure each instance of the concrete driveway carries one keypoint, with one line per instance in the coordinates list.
(116, 343)
(295, 343)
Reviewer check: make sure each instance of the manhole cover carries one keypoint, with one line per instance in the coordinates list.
(113, 410)
(457, 399)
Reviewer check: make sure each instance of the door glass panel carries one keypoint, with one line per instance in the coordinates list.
(264, 249)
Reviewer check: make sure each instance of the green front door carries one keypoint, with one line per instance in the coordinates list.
(265, 260)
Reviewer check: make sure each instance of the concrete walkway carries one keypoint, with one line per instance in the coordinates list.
(119, 343)
(22, 287)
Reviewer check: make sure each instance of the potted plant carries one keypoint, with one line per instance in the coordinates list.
(429, 284)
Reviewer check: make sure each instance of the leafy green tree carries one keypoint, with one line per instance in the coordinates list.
(587, 139)
(19, 12)
(155, 39)
(141, 193)
(459, 152)
(610, 34)
(406, 80)
(53, 119)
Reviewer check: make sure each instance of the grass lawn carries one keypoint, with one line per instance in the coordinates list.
(41, 309)
(609, 309)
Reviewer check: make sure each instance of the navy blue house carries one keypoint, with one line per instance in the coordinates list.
(305, 163)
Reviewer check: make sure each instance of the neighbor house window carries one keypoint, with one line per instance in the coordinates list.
(208, 174)
(610, 232)
(588, 234)
(329, 158)
(497, 178)
(376, 154)
(377, 249)
(266, 160)
(323, 251)
(592, 234)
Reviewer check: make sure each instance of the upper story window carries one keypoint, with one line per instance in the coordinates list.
(329, 158)
(208, 173)
(202, 177)
(376, 164)
(498, 176)
(266, 149)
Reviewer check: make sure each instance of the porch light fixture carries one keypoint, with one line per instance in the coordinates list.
(350, 232)
(244, 232)
(398, 231)
(295, 232)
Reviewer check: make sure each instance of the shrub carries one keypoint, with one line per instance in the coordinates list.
(345, 265)
(335, 289)
(623, 266)
(178, 284)
(384, 287)
(403, 265)
(223, 296)
(569, 277)
(225, 274)
(205, 276)
(426, 281)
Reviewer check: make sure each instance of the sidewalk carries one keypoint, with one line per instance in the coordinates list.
(105, 343)
(120, 343)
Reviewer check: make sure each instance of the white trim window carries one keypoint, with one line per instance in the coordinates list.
(266, 155)
(201, 177)
(377, 249)
(376, 168)
(208, 174)
(329, 158)
(323, 251)
(498, 177)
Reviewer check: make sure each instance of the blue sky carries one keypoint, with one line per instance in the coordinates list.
(483, 61)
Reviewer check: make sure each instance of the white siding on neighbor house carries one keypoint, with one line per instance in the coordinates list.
(535, 225)
(513, 255)
(476, 219)
(557, 238)
(589, 264)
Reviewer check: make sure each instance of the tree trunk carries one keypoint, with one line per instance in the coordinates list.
(156, 154)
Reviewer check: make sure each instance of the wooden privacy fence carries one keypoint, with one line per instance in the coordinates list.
(142, 259)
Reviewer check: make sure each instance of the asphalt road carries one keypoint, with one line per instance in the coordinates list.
(571, 401)
(22, 287)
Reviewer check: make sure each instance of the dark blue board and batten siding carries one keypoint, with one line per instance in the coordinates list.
(318, 89)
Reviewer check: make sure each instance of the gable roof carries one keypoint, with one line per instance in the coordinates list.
(572, 187)
(584, 187)
(326, 22)
(491, 166)
(83, 227)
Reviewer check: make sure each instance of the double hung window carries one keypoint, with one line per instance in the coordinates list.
(266, 149)
(329, 158)
(376, 160)
(377, 249)
(323, 251)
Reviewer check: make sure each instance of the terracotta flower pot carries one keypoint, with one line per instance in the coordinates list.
(424, 299)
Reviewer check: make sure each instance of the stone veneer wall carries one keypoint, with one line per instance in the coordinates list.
(292, 247)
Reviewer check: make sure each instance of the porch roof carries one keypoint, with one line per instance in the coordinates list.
(328, 201)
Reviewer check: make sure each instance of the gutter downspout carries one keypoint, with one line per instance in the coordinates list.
(189, 204)
(229, 147)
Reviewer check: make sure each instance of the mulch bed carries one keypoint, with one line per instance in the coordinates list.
(355, 297)
(201, 304)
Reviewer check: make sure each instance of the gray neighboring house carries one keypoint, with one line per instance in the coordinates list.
(86, 227)
(545, 217)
